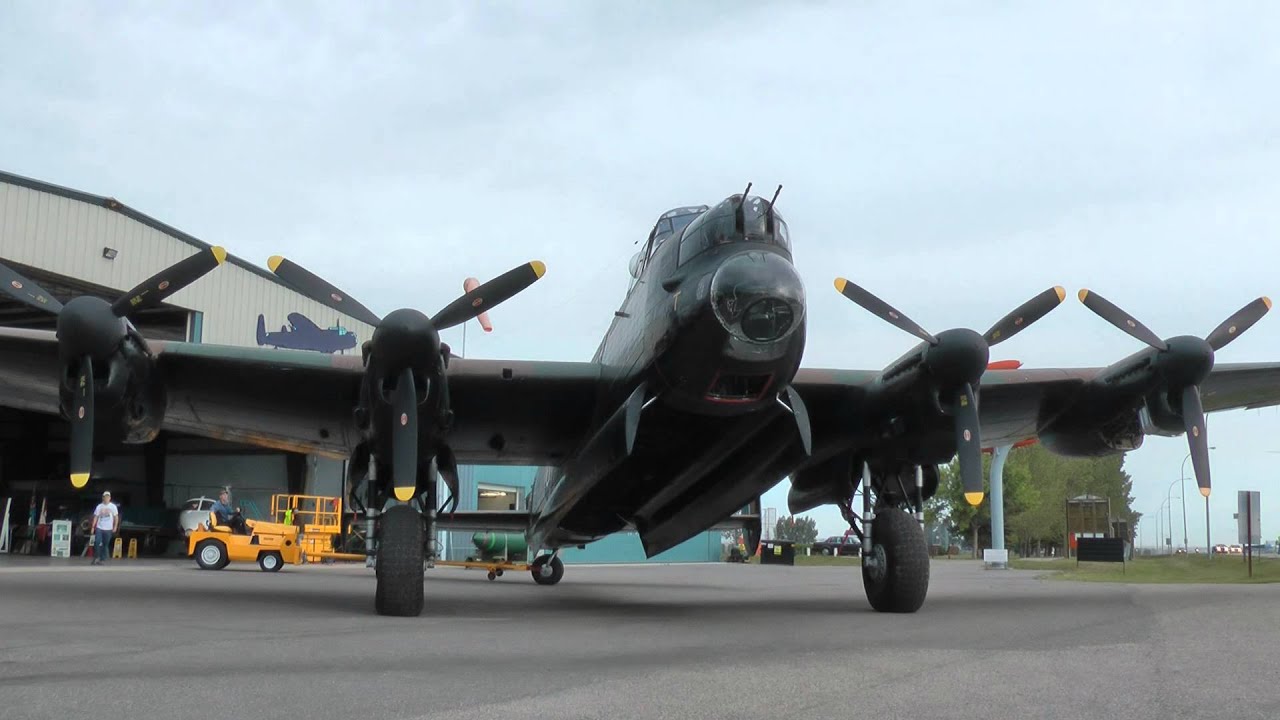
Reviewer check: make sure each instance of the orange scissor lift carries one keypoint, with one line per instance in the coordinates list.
(320, 518)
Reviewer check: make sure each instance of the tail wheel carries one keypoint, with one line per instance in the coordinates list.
(270, 561)
(895, 569)
(547, 569)
(399, 563)
(211, 555)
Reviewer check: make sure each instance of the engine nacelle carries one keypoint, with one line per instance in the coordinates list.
(1120, 434)
(129, 399)
(1157, 416)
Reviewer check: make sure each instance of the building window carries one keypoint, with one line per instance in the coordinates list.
(497, 497)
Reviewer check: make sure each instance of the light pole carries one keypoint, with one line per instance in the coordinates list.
(1183, 489)
(1168, 498)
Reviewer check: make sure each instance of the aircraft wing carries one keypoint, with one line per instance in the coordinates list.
(515, 413)
(1015, 404)
(302, 322)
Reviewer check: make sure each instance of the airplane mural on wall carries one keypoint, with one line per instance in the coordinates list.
(303, 334)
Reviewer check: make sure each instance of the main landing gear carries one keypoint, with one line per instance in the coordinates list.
(895, 556)
(400, 560)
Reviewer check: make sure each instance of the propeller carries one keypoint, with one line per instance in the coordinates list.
(469, 305)
(474, 302)
(957, 359)
(1184, 362)
(90, 329)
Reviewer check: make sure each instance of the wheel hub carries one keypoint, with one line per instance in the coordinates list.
(210, 555)
(874, 562)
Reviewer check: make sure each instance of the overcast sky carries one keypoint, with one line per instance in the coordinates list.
(955, 160)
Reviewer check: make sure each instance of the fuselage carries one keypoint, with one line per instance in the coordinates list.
(712, 328)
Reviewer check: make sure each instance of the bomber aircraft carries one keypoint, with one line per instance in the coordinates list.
(303, 334)
(693, 406)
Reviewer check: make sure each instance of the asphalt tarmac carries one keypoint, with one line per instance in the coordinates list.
(143, 639)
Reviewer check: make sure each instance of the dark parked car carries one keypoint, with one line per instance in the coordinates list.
(838, 545)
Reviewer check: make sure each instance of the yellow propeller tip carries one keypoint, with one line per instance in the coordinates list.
(1266, 301)
(404, 494)
(79, 479)
(1082, 295)
(1062, 292)
(974, 498)
(840, 283)
(219, 254)
(539, 268)
(274, 261)
(1205, 492)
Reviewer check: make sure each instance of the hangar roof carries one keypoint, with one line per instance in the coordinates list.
(113, 204)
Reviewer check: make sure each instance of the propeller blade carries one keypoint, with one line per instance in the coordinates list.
(1244, 319)
(883, 310)
(1026, 313)
(26, 291)
(311, 285)
(82, 426)
(168, 281)
(467, 286)
(1197, 436)
(497, 290)
(404, 437)
(1104, 309)
(969, 445)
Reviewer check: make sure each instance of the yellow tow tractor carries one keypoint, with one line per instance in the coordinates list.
(271, 545)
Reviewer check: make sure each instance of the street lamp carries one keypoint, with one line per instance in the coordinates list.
(1168, 524)
(1168, 499)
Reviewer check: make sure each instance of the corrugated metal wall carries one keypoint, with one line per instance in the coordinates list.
(66, 236)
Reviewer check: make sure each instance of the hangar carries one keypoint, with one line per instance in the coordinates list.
(76, 243)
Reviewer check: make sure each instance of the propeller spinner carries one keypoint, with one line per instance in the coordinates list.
(91, 329)
(957, 359)
(1184, 362)
(402, 342)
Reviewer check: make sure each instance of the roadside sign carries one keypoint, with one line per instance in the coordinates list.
(1248, 520)
(60, 539)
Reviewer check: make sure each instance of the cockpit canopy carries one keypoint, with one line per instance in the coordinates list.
(671, 222)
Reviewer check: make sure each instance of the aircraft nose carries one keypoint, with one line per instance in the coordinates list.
(757, 296)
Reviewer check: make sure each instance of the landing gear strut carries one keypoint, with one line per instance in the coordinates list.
(895, 556)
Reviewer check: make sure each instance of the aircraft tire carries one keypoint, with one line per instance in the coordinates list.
(901, 580)
(399, 566)
(557, 570)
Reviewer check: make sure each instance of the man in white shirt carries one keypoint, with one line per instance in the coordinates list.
(106, 521)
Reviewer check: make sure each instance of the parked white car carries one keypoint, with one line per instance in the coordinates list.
(194, 512)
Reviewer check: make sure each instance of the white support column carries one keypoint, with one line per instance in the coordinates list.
(4, 527)
(997, 502)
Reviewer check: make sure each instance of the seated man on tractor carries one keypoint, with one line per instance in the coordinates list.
(226, 516)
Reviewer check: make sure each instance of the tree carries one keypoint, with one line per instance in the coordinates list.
(799, 530)
(1037, 484)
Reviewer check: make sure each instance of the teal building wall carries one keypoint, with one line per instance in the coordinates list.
(621, 547)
